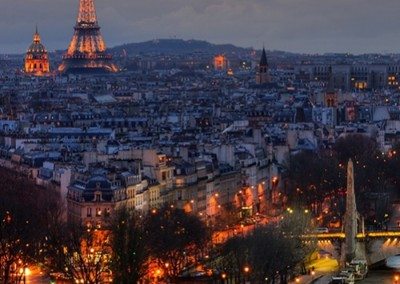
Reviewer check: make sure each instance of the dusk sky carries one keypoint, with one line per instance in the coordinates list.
(309, 26)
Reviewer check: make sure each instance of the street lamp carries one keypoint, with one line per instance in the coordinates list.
(313, 274)
(223, 276)
(26, 272)
(246, 270)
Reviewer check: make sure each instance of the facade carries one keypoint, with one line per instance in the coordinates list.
(87, 51)
(37, 59)
(92, 198)
(350, 77)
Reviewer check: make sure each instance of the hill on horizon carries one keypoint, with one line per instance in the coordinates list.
(177, 46)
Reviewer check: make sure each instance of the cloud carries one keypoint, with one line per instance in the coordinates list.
(294, 25)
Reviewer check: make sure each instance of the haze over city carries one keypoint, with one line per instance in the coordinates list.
(304, 26)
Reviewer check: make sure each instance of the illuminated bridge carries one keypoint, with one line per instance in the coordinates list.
(359, 236)
(375, 247)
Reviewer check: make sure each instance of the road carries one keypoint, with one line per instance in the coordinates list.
(35, 276)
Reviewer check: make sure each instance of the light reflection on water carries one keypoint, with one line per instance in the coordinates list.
(386, 275)
(393, 262)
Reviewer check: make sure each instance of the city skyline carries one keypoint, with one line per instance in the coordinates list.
(306, 26)
(171, 161)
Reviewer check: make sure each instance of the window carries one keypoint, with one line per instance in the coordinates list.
(98, 212)
(164, 175)
(89, 212)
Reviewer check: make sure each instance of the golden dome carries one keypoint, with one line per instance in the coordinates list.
(36, 59)
(36, 48)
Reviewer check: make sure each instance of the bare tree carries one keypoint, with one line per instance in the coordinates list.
(21, 225)
(129, 248)
(81, 253)
(176, 239)
(268, 253)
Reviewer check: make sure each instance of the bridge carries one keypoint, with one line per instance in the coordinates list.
(359, 236)
(355, 242)
(374, 247)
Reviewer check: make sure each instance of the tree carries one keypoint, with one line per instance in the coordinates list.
(317, 177)
(81, 253)
(176, 239)
(355, 146)
(312, 177)
(22, 227)
(129, 248)
(268, 252)
(233, 257)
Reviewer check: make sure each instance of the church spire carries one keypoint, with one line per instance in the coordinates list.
(263, 61)
(36, 36)
(262, 76)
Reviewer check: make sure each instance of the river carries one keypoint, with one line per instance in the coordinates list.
(380, 277)
(385, 275)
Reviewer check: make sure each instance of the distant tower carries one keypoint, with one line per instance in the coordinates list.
(262, 76)
(37, 59)
(331, 96)
(87, 51)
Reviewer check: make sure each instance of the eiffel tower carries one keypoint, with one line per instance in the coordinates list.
(87, 51)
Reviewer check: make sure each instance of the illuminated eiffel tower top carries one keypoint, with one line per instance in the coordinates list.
(87, 13)
(87, 49)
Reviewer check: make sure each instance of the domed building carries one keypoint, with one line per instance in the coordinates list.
(37, 59)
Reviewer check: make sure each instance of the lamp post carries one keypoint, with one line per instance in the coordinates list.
(246, 270)
(223, 276)
(24, 273)
(312, 274)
